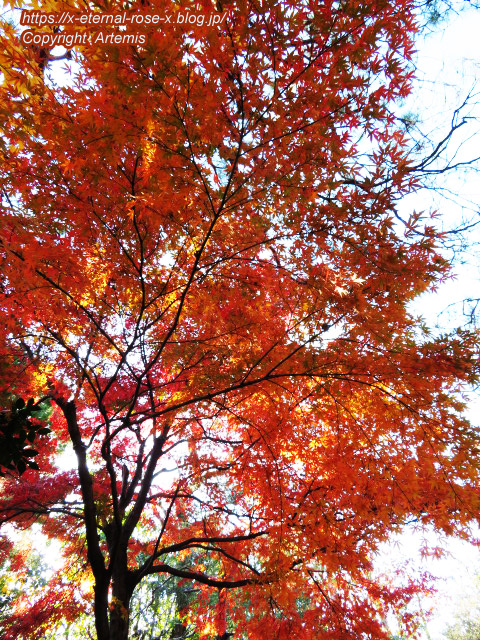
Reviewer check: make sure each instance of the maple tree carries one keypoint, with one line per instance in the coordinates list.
(205, 275)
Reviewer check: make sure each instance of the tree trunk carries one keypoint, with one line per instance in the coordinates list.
(119, 614)
(179, 631)
(101, 611)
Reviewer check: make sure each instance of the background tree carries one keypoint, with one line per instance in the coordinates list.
(465, 622)
(20, 422)
(466, 627)
(204, 273)
(19, 427)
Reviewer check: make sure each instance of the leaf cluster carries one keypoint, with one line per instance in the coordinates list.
(19, 427)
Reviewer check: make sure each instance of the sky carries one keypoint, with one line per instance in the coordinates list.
(447, 68)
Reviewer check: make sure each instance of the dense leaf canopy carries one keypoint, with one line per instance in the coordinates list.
(204, 272)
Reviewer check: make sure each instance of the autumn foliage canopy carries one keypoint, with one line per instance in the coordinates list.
(205, 274)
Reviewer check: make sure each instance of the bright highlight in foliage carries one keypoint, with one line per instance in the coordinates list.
(204, 273)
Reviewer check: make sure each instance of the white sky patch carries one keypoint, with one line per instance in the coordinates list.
(448, 68)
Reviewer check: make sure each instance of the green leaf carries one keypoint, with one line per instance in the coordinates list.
(19, 404)
(30, 453)
(21, 466)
